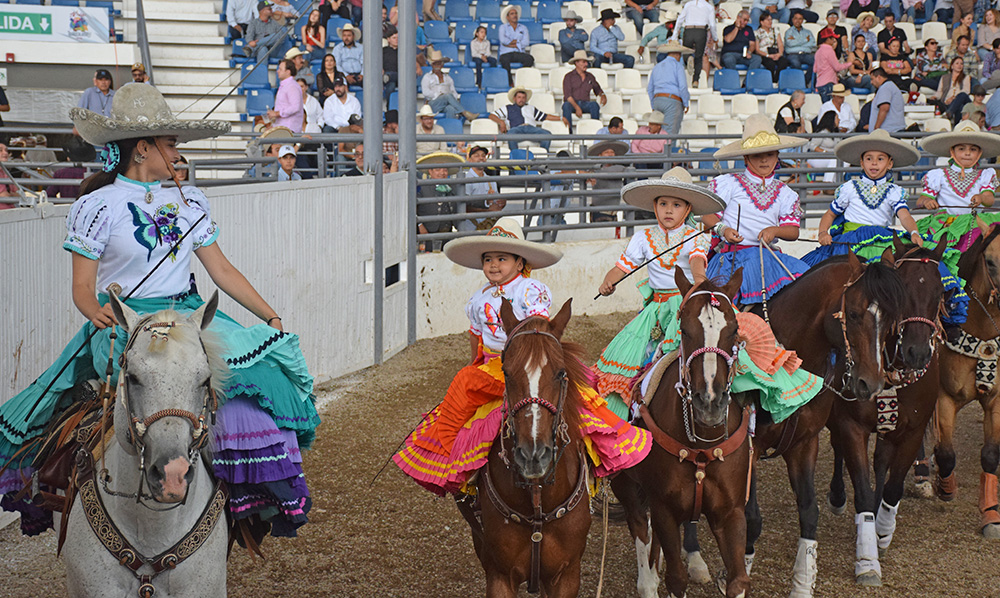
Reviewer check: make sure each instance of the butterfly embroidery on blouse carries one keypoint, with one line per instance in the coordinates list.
(492, 319)
(160, 228)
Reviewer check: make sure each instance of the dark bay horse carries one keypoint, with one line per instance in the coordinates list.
(962, 384)
(533, 491)
(701, 459)
(899, 415)
(830, 316)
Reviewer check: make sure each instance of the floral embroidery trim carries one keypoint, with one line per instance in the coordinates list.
(963, 181)
(763, 198)
(872, 195)
(656, 235)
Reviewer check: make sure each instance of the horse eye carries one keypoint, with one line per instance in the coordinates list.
(855, 316)
(132, 380)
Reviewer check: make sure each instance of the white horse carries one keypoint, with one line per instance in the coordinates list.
(162, 513)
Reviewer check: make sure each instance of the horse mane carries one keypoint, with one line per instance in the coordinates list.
(883, 284)
(185, 332)
(967, 263)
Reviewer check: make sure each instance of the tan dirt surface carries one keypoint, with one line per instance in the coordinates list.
(394, 539)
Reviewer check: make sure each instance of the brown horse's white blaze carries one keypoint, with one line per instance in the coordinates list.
(715, 393)
(533, 453)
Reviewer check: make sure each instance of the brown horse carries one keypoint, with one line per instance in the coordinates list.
(899, 415)
(961, 383)
(702, 454)
(829, 316)
(533, 491)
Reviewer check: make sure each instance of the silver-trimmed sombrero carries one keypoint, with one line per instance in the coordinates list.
(965, 131)
(759, 137)
(675, 182)
(851, 150)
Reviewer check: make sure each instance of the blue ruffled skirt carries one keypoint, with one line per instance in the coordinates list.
(775, 277)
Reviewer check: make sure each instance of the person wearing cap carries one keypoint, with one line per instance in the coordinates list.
(288, 108)
(760, 210)
(608, 188)
(654, 126)
(139, 73)
(846, 121)
(826, 66)
(739, 44)
(887, 106)
(350, 56)
(455, 438)
(239, 14)
(577, 86)
(482, 53)
(978, 103)
(929, 65)
(776, 8)
(770, 46)
(572, 39)
(637, 10)
(697, 21)
(286, 162)
(514, 41)
(604, 41)
(99, 97)
(125, 223)
(843, 41)
(667, 87)
(800, 44)
(263, 33)
(491, 202)
(339, 107)
(439, 89)
(302, 69)
(520, 118)
(445, 165)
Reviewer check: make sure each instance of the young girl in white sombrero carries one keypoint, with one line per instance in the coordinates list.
(454, 439)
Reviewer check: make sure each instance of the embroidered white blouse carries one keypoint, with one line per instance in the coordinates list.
(762, 203)
(953, 187)
(648, 242)
(527, 296)
(128, 236)
(864, 201)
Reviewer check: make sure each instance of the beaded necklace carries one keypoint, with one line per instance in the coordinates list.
(763, 195)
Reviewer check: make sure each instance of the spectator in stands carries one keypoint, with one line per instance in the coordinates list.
(312, 108)
(313, 35)
(969, 58)
(286, 164)
(697, 20)
(616, 127)
(776, 8)
(430, 10)
(944, 11)
(653, 126)
(77, 151)
(991, 67)
(282, 11)
(263, 33)
(963, 27)
(327, 75)
(390, 127)
(604, 41)
(572, 39)
(339, 107)
(827, 67)
(924, 9)
(887, 107)
(987, 33)
(288, 110)
(435, 186)
(846, 121)
(896, 64)
(889, 32)
(427, 126)
(866, 21)
(328, 8)
(843, 41)
(577, 85)
(98, 98)
(139, 73)
(888, 7)
(520, 118)
(359, 161)
(789, 119)
(357, 14)
(668, 90)
(182, 173)
(439, 89)
(611, 186)
(659, 36)
(477, 155)
(514, 41)
(800, 45)
(390, 62)
(637, 10)
(350, 56)
(930, 65)
(978, 104)
(770, 46)
(861, 65)
(802, 6)
(482, 53)
(953, 91)
(993, 112)
(239, 13)
(4, 107)
(739, 44)
(298, 58)
(421, 43)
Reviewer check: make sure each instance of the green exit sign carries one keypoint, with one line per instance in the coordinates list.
(25, 23)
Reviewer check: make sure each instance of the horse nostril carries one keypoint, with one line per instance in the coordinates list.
(155, 472)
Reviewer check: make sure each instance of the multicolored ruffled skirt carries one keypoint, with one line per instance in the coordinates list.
(759, 277)
(961, 229)
(267, 415)
(442, 454)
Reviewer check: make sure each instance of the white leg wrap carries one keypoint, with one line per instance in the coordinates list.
(804, 573)
(648, 579)
(697, 568)
(748, 561)
(885, 524)
(867, 546)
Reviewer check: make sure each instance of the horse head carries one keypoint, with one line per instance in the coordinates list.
(916, 333)
(538, 376)
(980, 264)
(709, 345)
(167, 398)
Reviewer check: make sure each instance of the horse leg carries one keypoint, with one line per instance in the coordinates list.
(989, 457)
(697, 567)
(666, 528)
(922, 474)
(836, 498)
(892, 489)
(498, 585)
(867, 570)
(885, 454)
(801, 465)
(945, 484)
(754, 523)
(648, 556)
(730, 534)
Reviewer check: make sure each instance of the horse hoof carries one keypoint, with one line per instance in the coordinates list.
(923, 489)
(992, 531)
(871, 579)
(698, 569)
(836, 510)
(720, 581)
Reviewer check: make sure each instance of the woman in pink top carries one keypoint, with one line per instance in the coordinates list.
(826, 66)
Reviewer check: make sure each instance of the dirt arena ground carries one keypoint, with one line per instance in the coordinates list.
(393, 539)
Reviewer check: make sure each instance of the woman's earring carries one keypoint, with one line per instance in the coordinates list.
(139, 158)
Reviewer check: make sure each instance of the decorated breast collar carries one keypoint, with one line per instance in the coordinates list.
(872, 193)
(764, 193)
(961, 180)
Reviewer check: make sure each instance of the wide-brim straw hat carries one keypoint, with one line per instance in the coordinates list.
(139, 110)
(506, 236)
(452, 161)
(580, 55)
(840, 90)
(677, 183)
(759, 137)
(621, 148)
(570, 14)
(851, 150)
(654, 118)
(513, 92)
(355, 30)
(965, 131)
(426, 110)
(861, 18)
(436, 56)
(673, 46)
(507, 9)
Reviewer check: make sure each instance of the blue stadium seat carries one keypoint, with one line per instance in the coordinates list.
(493, 33)
(449, 49)
(258, 79)
(707, 164)
(238, 57)
(393, 101)
(536, 32)
(279, 54)
(488, 11)
(457, 11)
(474, 102)
(521, 155)
(525, 8)
(495, 80)
(790, 80)
(360, 94)
(32, 2)
(64, 3)
(760, 82)
(296, 30)
(549, 11)
(388, 4)
(437, 31)
(451, 126)
(727, 82)
(465, 31)
(464, 78)
(332, 26)
(259, 101)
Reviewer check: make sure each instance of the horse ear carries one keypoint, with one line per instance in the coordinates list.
(680, 279)
(507, 317)
(124, 314)
(853, 260)
(732, 287)
(897, 245)
(887, 258)
(202, 316)
(558, 323)
(942, 246)
(983, 227)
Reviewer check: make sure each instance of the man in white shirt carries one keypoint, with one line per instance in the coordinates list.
(239, 13)
(439, 89)
(427, 126)
(521, 118)
(696, 19)
(339, 107)
(845, 114)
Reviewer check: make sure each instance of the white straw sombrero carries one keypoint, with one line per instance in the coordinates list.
(675, 182)
(759, 137)
(851, 150)
(506, 236)
(965, 131)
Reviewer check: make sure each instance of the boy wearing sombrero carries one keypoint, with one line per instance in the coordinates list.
(520, 118)
(445, 165)
(454, 439)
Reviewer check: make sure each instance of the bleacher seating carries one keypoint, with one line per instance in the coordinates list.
(629, 81)
(639, 103)
(614, 107)
(448, 49)
(536, 32)
(474, 101)
(727, 82)
(528, 77)
(464, 78)
(544, 55)
(483, 126)
(744, 105)
(488, 11)
(544, 101)
(257, 79)
(760, 82)
(465, 31)
(790, 80)
(259, 101)
(451, 126)
(712, 108)
(548, 11)
(457, 11)
(436, 32)
(495, 80)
